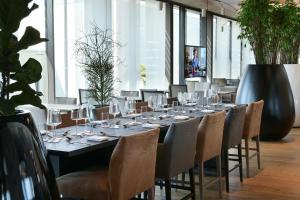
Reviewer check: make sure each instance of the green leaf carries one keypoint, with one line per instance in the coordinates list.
(30, 37)
(28, 97)
(30, 72)
(12, 12)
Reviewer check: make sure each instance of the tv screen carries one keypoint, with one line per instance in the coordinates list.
(195, 62)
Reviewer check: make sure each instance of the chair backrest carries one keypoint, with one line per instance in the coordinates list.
(66, 100)
(38, 115)
(253, 119)
(143, 91)
(138, 106)
(171, 100)
(210, 136)
(147, 94)
(233, 128)
(179, 149)
(85, 97)
(174, 89)
(132, 165)
(125, 93)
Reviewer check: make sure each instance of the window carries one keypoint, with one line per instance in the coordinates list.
(230, 55)
(37, 20)
(192, 33)
(72, 19)
(140, 29)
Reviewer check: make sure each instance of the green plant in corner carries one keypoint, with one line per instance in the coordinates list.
(95, 51)
(289, 47)
(16, 78)
(263, 24)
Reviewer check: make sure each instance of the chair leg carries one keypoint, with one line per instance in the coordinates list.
(219, 171)
(168, 189)
(151, 193)
(240, 162)
(183, 179)
(192, 183)
(201, 176)
(161, 184)
(226, 167)
(247, 156)
(258, 151)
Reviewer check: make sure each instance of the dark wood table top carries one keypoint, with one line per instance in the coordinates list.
(79, 144)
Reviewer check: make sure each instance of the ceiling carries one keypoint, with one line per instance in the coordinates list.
(230, 7)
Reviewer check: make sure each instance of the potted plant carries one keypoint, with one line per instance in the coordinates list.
(22, 153)
(264, 24)
(95, 51)
(290, 52)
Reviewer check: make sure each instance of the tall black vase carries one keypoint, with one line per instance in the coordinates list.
(25, 170)
(269, 83)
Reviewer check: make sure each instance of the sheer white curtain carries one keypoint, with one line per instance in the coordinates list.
(139, 26)
(235, 51)
(72, 19)
(221, 48)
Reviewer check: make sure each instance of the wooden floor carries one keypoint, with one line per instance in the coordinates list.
(279, 178)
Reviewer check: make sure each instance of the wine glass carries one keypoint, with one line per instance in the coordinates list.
(75, 115)
(84, 113)
(114, 109)
(53, 118)
(175, 106)
(131, 106)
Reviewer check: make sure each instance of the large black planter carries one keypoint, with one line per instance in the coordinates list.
(270, 83)
(25, 172)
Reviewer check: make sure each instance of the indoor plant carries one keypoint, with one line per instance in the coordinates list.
(95, 51)
(264, 23)
(15, 77)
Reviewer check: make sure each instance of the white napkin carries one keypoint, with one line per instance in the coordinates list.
(151, 125)
(181, 117)
(97, 138)
(207, 111)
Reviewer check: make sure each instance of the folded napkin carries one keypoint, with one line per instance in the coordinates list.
(151, 125)
(190, 104)
(130, 124)
(97, 138)
(54, 140)
(181, 117)
(207, 111)
(164, 116)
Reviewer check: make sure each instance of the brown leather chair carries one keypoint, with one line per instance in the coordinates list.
(177, 154)
(139, 105)
(170, 100)
(209, 144)
(131, 171)
(232, 137)
(252, 130)
(67, 121)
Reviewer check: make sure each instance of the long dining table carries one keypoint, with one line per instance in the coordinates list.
(74, 148)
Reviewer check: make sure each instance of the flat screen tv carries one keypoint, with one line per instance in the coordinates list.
(195, 62)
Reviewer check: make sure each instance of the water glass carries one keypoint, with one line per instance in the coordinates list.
(114, 109)
(53, 118)
(84, 113)
(75, 115)
(175, 105)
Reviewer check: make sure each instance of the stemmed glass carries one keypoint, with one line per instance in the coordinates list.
(175, 106)
(53, 119)
(75, 115)
(84, 113)
(114, 109)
